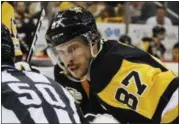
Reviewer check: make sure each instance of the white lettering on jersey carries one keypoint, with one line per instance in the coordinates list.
(23, 88)
(43, 89)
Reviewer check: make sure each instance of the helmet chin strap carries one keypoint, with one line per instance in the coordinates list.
(92, 48)
(87, 76)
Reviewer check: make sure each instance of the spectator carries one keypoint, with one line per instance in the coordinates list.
(156, 48)
(96, 8)
(65, 5)
(160, 19)
(83, 4)
(146, 41)
(21, 10)
(56, 6)
(135, 11)
(148, 10)
(125, 39)
(25, 26)
(175, 52)
(34, 8)
(106, 14)
(120, 10)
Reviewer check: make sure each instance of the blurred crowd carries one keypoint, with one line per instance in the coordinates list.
(27, 14)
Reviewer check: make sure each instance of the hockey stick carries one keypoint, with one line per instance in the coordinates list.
(36, 35)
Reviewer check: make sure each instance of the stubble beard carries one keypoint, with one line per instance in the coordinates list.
(82, 71)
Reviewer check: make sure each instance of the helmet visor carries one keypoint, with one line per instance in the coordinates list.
(67, 50)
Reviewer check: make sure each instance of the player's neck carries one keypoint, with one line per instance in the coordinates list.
(88, 76)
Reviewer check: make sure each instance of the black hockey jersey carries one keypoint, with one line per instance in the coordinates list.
(132, 85)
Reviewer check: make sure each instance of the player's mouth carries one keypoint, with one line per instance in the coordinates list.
(73, 68)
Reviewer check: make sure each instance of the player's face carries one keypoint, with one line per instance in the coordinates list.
(76, 56)
(21, 7)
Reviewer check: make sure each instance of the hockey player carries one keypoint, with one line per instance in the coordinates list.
(129, 83)
(8, 20)
(29, 97)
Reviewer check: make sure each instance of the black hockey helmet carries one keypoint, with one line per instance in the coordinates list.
(7, 46)
(157, 30)
(66, 25)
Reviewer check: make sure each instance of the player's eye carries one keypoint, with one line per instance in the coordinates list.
(72, 48)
